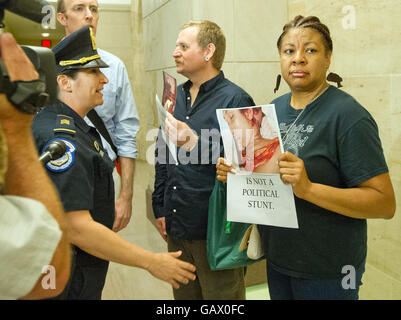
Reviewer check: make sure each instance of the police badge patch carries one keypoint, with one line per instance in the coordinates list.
(66, 161)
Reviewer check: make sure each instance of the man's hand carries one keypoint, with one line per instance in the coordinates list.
(123, 212)
(180, 133)
(123, 206)
(167, 267)
(161, 227)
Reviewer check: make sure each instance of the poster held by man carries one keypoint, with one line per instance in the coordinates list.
(169, 92)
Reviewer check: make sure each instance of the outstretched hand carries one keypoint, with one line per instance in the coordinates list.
(161, 227)
(169, 268)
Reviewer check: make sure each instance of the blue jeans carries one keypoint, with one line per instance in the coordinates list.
(284, 287)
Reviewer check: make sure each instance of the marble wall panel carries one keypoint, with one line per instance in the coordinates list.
(114, 27)
(220, 12)
(396, 94)
(161, 29)
(148, 6)
(257, 26)
(295, 8)
(395, 154)
(258, 79)
(373, 93)
(363, 33)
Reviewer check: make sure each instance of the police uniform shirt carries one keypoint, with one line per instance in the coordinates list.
(83, 176)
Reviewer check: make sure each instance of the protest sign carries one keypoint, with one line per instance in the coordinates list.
(260, 199)
(162, 114)
(169, 92)
(252, 143)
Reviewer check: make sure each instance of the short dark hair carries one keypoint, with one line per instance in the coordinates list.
(308, 22)
(71, 73)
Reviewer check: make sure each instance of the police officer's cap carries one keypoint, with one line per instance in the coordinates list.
(78, 51)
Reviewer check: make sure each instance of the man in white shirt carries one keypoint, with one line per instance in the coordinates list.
(118, 111)
(31, 215)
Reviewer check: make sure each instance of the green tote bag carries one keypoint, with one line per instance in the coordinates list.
(224, 237)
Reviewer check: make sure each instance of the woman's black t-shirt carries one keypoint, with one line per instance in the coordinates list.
(339, 143)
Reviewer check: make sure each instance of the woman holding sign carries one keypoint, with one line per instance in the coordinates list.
(335, 163)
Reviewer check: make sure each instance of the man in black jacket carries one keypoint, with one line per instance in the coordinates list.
(183, 188)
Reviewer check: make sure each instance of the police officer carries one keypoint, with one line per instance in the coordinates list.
(83, 175)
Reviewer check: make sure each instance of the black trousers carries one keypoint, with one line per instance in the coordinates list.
(87, 281)
(87, 278)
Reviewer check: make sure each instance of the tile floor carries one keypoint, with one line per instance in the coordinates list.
(258, 292)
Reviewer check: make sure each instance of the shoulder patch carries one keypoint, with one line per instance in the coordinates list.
(66, 161)
(64, 124)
